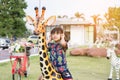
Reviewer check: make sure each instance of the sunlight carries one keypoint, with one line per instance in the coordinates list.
(69, 7)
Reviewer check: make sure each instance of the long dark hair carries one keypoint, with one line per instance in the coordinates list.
(57, 30)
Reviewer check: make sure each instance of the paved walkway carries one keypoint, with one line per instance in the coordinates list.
(5, 55)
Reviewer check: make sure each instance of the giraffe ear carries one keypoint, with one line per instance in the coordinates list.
(29, 19)
(50, 21)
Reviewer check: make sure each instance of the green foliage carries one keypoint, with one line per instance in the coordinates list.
(114, 13)
(113, 17)
(11, 17)
(79, 15)
(18, 48)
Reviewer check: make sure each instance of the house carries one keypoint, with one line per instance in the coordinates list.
(77, 32)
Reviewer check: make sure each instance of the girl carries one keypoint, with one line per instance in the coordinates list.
(57, 47)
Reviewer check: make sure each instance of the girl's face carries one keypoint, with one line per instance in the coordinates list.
(56, 36)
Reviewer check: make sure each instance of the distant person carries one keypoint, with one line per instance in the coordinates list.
(14, 38)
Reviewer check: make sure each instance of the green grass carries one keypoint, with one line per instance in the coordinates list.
(81, 67)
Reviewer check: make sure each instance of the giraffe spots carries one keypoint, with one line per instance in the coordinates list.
(43, 47)
(43, 34)
(43, 40)
(44, 55)
(59, 76)
(42, 73)
(46, 62)
(41, 64)
(47, 77)
(49, 68)
(52, 66)
(40, 52)
(41, 69)
(44, 67)
(39, 37)
(41, 59)
(46, 72)
(53, 73)
(43, 28)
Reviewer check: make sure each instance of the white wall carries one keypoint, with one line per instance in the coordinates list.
(77, 35)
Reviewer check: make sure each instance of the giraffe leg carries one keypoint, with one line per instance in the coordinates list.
(110, 75)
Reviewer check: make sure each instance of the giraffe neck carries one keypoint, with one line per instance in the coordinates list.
(46, 67)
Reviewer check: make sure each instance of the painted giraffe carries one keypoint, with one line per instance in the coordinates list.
(48, 71)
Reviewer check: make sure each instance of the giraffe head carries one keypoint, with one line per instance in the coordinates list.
(39, 29)
(39, 26)
(40, 23)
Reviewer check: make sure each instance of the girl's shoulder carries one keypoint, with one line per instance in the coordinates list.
(53, 42)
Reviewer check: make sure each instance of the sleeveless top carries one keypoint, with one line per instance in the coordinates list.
(57, 56)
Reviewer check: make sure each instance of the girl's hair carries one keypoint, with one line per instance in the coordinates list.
(57, 30)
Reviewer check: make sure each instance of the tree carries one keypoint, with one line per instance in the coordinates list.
(96, 22)
(62, 16)
(96, 19)
(113, 17)
(11, 17)
(59, 16)
(79, 15)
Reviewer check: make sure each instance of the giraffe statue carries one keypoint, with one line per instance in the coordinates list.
(47, 69)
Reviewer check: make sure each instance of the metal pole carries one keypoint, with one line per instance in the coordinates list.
(39, 5)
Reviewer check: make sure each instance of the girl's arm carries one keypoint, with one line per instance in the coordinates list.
(62, 41)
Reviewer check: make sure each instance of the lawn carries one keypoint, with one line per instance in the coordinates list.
(81, 67)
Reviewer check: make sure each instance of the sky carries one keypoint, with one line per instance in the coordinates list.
(70, 7)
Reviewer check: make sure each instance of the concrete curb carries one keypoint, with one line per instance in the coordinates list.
(7, 60)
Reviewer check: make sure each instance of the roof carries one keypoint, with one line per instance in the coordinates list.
(71, 22)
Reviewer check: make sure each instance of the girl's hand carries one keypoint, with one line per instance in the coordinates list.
(63, 42)
(62, 36)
